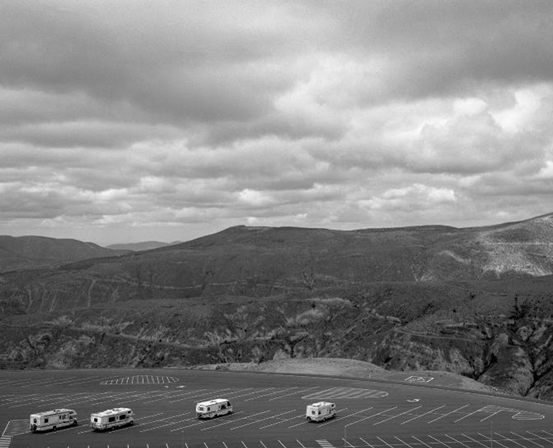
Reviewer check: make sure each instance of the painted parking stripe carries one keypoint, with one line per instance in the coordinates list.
(141, 379)
(366, 443)
(164, 425)
(472, 439)
(422, 415)
(370, 416)
(203, 422)
(325, 443)
(227, 422)
(469, 414)
(457, 441)
(448, 413)
(402, 441)
(423, 443)
(438, 441)
(351, 415)
(385, 443)
(527, 439)
(398, 415)
(263, 419)
(539, 437)
(16, 427)
(283, 421)
(346, 392)
(293, 393)
(269, 394)
(495, 441)
(505, 439)
(185, 397)
(526, 415)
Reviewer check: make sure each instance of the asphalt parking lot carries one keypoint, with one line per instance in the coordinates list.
(269, 412)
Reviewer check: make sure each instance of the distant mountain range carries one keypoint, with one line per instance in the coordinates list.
(475, 301)
(145, 245)
(30, 252)
(261, 261)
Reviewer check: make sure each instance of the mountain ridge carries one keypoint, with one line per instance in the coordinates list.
(476, 301)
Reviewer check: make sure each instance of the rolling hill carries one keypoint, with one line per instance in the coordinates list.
(474, 301)
(31, 252)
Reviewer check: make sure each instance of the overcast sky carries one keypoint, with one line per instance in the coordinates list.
(126, 121)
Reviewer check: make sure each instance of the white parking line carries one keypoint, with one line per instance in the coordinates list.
(163, 419)
(202, 422)
(449, 413)
(385, 443)
(370, 416)
(492, 440)
(439, 441)
(283, 421)
(364, 441)
(256, 392)
(293, 393)
(540, 437)
(263, 419)
(398, 415)
(423, 443)
(272, 393)
(468, 415)
(509, 440)
(227, 422)
(185, 397)
(422, 415)
(474, 440)
(403, 441)
(457, 441)
(529, 440)
(347, 443)
(305, 422)
(491, 415)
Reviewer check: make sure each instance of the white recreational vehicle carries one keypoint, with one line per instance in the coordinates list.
(213, 408)
(319, 412)
(111, 419)
(54, 419)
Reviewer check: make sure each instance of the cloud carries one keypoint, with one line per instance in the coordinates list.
(188, 117)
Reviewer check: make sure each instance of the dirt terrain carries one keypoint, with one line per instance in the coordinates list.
(350, 368)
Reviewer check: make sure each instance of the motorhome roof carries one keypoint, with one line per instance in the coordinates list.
(320, 403)
(210, 402)
(112, 412)
(54, 411)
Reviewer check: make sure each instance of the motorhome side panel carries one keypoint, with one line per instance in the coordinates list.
(54, 419)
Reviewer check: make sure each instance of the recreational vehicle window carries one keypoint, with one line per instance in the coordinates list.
(54, 419)
(213, 408)
(111, 419)
(320, 411)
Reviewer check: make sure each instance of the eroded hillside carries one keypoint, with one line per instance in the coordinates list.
(471, 301)
(495, 337)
